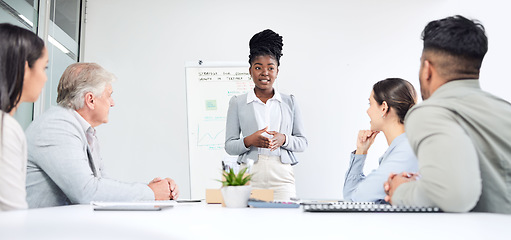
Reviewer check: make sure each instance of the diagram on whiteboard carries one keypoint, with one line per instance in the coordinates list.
(209, 90)
(211, 134)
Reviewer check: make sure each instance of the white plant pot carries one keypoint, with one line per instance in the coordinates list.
(236, 196)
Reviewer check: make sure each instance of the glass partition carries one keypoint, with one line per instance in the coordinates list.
(66, 15)
(23, 14)
(63, 44)
(63, 18)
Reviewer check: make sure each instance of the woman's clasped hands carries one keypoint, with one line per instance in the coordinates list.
(265, 139)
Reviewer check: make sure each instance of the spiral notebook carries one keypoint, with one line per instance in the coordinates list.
(365, 207)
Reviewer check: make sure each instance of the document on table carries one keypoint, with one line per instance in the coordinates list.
(161, 203)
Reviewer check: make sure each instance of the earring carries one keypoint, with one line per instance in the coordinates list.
(383, 116)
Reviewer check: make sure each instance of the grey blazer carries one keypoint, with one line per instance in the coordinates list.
(60, 169)
(241, 120)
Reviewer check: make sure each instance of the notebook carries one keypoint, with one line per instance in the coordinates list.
(160, 203)
(128, 208)
(256, 203)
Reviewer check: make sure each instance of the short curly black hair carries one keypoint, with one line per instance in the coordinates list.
(266, 43)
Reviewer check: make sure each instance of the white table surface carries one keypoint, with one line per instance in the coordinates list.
(203, 221)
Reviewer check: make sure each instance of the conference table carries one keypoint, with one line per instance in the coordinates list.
(212, 221)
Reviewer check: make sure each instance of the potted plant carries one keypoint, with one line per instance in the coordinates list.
(235, 190)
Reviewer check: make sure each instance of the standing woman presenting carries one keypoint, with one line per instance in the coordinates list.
(23, 61)
(269, 122)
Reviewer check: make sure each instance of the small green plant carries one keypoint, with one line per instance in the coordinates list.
(232, 179)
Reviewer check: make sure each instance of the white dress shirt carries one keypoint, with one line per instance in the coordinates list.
(267, 115)
(90, 133)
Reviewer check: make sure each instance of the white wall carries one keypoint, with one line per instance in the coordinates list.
(333, 52)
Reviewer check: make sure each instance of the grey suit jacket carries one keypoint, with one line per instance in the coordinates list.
(60, 169)
(241, 119)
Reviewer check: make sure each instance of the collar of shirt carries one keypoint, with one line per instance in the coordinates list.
(251, 97)
(457, 85)
(398, 140)
(87, 128)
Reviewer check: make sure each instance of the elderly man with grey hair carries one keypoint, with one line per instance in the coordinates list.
(64, 163)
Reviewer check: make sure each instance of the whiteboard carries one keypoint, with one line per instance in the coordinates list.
(209, 87)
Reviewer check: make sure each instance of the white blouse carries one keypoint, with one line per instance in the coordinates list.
(13, 164)
(269, 114)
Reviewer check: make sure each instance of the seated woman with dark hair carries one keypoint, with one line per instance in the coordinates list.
(389, 102)
(23, 61)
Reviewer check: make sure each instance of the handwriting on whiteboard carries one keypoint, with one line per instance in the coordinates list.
(220, 76)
